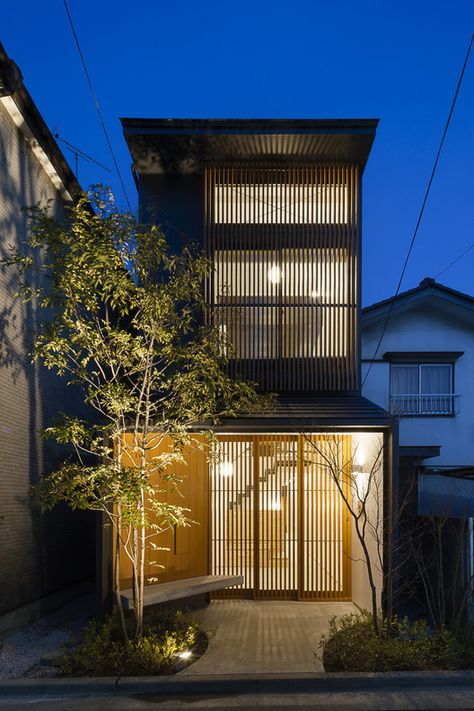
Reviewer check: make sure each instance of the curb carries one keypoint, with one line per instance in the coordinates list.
(236, 683)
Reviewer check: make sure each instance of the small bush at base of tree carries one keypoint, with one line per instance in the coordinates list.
(103, 652)
(351, 645)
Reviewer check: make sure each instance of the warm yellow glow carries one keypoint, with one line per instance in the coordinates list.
(359, 456)
(361, 484)
(276, 504)
(281, 203)
(274, 274)
(226, 468)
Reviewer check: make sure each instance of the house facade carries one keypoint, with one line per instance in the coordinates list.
(423, 374)
(42, 556)
(276, 205)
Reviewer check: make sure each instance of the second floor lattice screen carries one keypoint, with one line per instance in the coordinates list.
(285, 287)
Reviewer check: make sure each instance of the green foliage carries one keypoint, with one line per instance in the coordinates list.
(102, 651)
(125, 319)
(351, 645)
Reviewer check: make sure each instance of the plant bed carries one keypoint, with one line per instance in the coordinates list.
(171, 640)
(351, 645)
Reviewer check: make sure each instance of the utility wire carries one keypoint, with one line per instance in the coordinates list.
(79, 152)
(451, 264)
(418, 222)
(99, 113)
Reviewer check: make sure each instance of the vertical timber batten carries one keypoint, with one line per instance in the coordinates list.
(284, 244)
(278, 519)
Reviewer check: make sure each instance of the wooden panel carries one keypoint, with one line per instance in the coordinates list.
(232, 512)
(284, 241)
(187, 553)
(325, 529)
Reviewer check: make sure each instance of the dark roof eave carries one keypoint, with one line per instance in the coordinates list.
(244, 126)
(310, 414)
(41, 132)
(188, 145)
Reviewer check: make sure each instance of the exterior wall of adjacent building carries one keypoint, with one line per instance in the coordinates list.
(428, 327)
(40, 554)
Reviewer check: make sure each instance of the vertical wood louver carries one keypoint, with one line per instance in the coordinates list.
(278, 519)
(284, 243)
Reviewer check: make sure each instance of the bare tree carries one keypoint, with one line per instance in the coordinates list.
(361, 490)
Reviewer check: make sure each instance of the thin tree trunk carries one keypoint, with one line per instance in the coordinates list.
(118, 597)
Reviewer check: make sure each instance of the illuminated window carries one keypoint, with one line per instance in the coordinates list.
(280, 203)
(283, 303)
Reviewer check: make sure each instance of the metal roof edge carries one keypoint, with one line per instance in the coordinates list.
(209, 126)
(40, 131)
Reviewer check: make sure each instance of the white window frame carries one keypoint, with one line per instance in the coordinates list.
(421, 404)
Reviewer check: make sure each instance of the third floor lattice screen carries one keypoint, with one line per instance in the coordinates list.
(280, 203)
(284, 245)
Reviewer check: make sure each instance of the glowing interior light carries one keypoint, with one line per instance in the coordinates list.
(274, 274)
(359, 456)
(315, 294)
(361, 484)
(184, 655)
(276, 504)
(226, 468)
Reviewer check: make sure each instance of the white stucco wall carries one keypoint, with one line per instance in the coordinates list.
(369, 444)
(433, 325)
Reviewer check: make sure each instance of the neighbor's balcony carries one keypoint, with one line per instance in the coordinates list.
(422, 405)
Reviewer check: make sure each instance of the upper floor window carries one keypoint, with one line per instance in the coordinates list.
(422, 389)
(280, 203)
(276, 197)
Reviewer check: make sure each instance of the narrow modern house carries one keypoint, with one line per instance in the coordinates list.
(276, 204)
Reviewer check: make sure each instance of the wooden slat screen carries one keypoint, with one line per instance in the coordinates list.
(325, 524)
(284, 243)
(277, 518)
(232, 512)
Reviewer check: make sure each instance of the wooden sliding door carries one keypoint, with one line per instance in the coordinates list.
(277, 518)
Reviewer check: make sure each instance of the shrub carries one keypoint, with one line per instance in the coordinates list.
(351, 645)
(102, 651)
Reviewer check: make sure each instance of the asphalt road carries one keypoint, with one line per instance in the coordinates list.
(424, 699)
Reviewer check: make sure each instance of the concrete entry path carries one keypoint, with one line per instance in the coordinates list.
(256, 637)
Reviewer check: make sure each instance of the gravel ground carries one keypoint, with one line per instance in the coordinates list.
(30, 651)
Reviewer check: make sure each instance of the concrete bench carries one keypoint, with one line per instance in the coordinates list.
(178, 589)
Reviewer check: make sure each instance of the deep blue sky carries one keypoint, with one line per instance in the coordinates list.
(398, 61)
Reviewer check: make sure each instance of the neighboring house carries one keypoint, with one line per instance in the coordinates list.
(276, 205)
(40, 554)
(424, 374)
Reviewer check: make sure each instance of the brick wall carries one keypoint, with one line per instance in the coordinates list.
(39, 553)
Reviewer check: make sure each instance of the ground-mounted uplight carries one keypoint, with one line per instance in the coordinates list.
(185, 655)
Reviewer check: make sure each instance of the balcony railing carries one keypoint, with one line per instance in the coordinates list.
(434, 404)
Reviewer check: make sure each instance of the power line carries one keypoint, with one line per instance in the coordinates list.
(79, 152)
(418, 222)
(451, 264)
(99, 113)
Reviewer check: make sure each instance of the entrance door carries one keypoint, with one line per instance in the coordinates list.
(278, 519)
